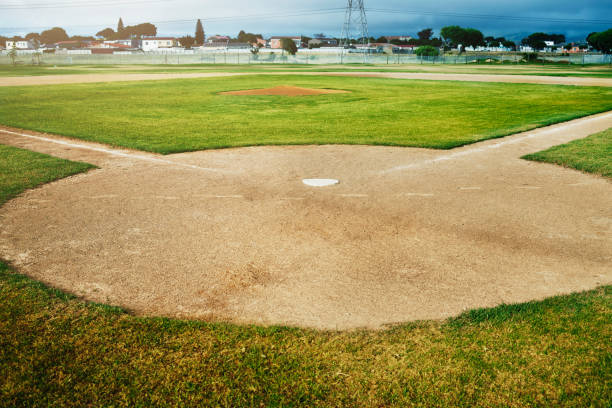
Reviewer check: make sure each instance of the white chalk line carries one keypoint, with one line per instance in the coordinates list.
(531, 135)
(118, 153)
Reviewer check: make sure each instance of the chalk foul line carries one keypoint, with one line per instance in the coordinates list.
(531, 135)
(118, 153)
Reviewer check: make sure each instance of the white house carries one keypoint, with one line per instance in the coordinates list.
(20, 45)
(156, 43)
(122, 42)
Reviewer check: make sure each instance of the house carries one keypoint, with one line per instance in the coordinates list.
(20, 44)
(276, 42)
(322, 42)
(403, 38)
(127, 42)
(71, 44)
(156, 43)
(217, 39)
(578, 48)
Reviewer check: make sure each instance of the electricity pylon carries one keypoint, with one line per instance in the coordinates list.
(355, 25)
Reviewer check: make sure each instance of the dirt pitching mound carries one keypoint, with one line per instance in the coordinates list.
(285, 90)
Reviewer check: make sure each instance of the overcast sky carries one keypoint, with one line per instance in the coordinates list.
(512, 18)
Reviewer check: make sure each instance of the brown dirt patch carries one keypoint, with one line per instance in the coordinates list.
(408, 234)
(285, 90)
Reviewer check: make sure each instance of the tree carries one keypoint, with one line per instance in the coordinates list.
(139, 30)
(287, 44)
(509, 44)
(107, 33)
(427, 51)
(13, 54)
(249, 38)
(81, 38)
(537, 40)
(381, 40)
(473, 38)
(467, 37)
(120, 28)
(54, 35)
(601, 41)
(425, 34)
(187, 41)
(319, 35)
(34, 38)
(452, 35)
(199, 33)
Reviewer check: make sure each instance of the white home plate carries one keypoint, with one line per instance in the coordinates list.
(320, 182)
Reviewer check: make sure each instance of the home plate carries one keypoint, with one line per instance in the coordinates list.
(320, 182)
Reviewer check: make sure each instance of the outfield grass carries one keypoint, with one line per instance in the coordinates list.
(56, 350)
(186, 115)
(592, 154)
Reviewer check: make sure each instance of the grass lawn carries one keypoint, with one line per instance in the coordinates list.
(56, 350)
(592, 154)
(22, 169)
(187, 115)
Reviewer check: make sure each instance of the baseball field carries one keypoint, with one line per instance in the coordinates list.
(161, 247)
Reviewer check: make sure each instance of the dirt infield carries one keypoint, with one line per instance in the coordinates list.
(95, 78)
(121, 77)
(235, 235)
(285, 90)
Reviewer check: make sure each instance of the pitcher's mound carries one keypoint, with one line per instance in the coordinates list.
(285, 90)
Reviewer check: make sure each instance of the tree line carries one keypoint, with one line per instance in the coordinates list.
(450, 37)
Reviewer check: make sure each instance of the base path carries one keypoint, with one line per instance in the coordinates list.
(122, 77)
(94, 78)
(515, 79)
(235, 235)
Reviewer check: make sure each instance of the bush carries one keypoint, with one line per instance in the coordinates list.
(427, 51)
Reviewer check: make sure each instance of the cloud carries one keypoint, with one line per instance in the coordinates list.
(273, 17)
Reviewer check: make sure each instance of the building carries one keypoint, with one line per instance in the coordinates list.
(20, 44)
(578, 48)
(322, 42)
(276, 42)
(215, 39)
(404, 38)
(156, 43)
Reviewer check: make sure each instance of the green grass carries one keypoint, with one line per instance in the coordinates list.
(34, 70)
(22, 169)
(596, 71)
(186, 115)
(56, 350)
(592, 154)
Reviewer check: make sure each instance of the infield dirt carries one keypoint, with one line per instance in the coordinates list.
(408, 234)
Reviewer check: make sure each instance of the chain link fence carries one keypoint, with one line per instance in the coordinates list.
(302, 57)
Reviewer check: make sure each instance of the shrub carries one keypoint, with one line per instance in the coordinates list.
(427, 51)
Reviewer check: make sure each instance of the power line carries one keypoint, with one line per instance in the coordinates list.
(302, 13)
(493, 17)
(211, 19)
(71, 5)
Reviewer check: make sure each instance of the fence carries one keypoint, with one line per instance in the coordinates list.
(302, 57)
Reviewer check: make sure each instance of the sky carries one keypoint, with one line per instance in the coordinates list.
(513, 19)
